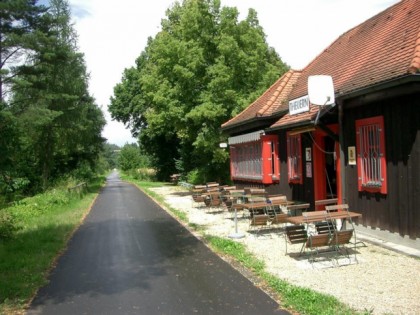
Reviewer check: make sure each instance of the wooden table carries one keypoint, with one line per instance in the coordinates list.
(260, 205)
(322, 216)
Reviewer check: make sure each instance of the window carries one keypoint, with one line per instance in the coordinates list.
(246, 160)
(294, 158)
(255, 160)
(371, 160)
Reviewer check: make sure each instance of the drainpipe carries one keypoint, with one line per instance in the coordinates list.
(342, 152)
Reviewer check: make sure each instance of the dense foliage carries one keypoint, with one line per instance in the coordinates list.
(201, 69)
(50, 126)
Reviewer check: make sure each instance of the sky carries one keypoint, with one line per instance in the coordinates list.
(112, 34)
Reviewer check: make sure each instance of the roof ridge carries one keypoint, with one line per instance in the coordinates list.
(283, 82)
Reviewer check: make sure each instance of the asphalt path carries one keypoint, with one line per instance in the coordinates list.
(131, 257)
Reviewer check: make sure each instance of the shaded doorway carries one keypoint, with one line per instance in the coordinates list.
(330, 168)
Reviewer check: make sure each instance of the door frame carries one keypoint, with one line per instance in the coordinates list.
(320, 184)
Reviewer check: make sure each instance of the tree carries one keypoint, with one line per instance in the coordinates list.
(110, 155)
(202, 68)
(131, 158)
(19, 29)
(51, 100)
(19, 21)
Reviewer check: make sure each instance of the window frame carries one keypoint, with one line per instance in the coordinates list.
(294, 158)
(371, 172)
(253, 160)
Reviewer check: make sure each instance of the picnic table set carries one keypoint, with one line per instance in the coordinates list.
(317, 232)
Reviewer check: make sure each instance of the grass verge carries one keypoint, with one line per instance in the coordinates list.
(147, 188)
(46, 222)
(296, 299)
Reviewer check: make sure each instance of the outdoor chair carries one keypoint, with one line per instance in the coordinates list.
(296, 234)
(325, 202)
(325, 227)
(340, 239)
(213, 200)
(297, 209)
(259, 221)
(315, 242)
(198, 198)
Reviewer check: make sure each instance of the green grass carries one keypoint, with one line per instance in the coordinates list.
(146, 187)
(302, 300)
(46, 222)
(294, 298)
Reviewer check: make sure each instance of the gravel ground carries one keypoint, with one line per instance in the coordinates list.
(374, 279)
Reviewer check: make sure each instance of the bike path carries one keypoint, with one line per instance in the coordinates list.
(131, 257)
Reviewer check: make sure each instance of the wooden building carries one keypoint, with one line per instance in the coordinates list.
(365, 149)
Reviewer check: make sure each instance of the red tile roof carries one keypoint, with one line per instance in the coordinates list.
(384, 47)
(270, 102)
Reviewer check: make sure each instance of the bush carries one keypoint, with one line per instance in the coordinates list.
(143, 174)
(83, 172)
(8, 225)
(37, 205)
(196, 177)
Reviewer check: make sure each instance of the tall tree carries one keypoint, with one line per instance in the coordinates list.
(19, 30)
(52, 101)
(19, 20)
(202, 68)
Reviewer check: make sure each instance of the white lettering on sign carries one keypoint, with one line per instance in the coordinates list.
(299, 105)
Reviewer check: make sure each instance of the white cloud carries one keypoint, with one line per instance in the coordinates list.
(113, 34)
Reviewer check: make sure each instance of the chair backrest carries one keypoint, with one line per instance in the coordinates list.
(325, 202)
(315, 216)
(320, 204)
(337, 207)
(326, 227)
(277, 199)
(341, 237)
(198, 198)
(237, 192)
(228, 188)
(299, 206)
(296, 234)
(255, 191)
(318, 240)
(279, 218)
(257, 199)
(259, 219)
